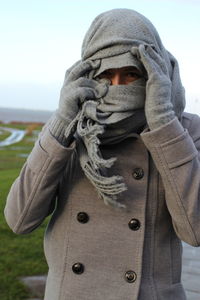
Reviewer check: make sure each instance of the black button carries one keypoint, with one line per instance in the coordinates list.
(138, 173)
(130, 276)
(78, 268)
(82, 217)
(134, 224)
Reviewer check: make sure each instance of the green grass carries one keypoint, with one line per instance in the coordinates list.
(19, 255)
(4, 135)
(17, 126)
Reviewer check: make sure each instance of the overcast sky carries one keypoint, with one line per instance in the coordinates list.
(40, 39)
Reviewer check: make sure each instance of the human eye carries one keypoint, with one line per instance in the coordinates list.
(133, 74)
(105, 74)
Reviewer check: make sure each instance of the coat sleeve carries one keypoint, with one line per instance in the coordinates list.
(32, 195)
(176, 154)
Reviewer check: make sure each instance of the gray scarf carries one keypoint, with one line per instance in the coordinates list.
(108, 120)
(121, 112)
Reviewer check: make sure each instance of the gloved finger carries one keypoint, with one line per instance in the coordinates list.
(78, 96)
(157, 58)
(83, 94)
(103, 80)
(100, 89)
(148, 63)
(81, 69)
(71, 68)
(135, 52)
(152, 60)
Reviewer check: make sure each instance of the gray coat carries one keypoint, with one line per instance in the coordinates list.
(95, 251)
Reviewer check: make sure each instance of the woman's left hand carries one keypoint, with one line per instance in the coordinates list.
(158, 106)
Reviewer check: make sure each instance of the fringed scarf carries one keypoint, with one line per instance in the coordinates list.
(120, 113)
(106, 121)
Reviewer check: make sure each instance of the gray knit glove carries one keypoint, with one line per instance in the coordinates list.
(158, 106)
(75, 90)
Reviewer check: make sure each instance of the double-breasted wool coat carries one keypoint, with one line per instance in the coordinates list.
(95, 251)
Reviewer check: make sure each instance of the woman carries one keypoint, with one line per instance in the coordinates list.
(118, 167)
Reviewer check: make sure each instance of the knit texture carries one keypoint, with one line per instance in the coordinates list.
(117, 31)
(109, 120)
(75, 90)
(113, 34)
(158, 106)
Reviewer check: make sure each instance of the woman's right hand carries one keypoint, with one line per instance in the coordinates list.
(77, 88)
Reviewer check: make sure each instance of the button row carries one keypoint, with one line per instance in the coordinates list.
(130, 276)
(134, 224)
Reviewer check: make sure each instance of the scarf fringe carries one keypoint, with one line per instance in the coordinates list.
(89, 133)
(107, 187)
(112, 185)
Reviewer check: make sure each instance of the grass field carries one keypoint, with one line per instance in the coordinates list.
(19, 255)
(4, 135)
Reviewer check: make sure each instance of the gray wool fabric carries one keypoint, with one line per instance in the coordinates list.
(158, 106)
(119, 104)
(110, 39)
(104, 121)
(117, 31)
(75, 90)
(119, 61)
